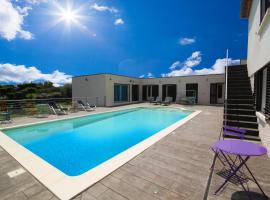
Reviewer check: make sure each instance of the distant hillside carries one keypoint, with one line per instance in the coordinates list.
(34, 91)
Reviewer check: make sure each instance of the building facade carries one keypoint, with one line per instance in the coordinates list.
(114, 90)
(258, 59)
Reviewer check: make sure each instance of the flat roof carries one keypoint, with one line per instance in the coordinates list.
(142, 78)
(245, 8)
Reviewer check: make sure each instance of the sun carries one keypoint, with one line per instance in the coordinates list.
(71, 16)
(68, 16)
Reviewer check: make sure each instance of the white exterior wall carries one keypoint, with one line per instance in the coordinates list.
(103, 85)
(259, 56)
(89, 88)
(258, 39)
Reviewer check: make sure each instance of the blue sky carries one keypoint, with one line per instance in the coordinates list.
(153, 38)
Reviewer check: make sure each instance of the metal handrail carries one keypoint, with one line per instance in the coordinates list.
(226, 87)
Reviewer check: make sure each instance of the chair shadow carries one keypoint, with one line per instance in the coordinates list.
(242, 195)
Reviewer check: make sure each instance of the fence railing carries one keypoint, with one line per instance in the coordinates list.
(97, 100)
(26, 107)
(31, 106)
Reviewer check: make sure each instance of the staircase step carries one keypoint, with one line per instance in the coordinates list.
(238, 74)
(244, 124)
(236, 117)
(240, 111)
(241, 106)
(238, 83)
(240, 96)
(237, 69)
(239, 92)
(243, 77)
(242, 80)
(240, 101)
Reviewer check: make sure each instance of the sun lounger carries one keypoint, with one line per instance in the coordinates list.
(85, 106)
(157, 101)
(91, 106)
(57, 110)
(5, 117)
(188, 100)
(151, 99)
(168, 101)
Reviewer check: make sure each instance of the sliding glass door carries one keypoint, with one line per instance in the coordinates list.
(150, 91)
(121, 93)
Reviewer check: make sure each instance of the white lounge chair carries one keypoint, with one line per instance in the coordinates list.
(57, 110)
(85, 106)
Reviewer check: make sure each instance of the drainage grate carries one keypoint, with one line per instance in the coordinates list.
(16, 172)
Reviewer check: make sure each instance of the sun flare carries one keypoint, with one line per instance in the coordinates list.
(68, 16)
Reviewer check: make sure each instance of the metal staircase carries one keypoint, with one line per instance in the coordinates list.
(239, 108)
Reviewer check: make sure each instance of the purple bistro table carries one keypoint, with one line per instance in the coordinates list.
(243, 150)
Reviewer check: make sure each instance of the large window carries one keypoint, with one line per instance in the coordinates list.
(265, 4)
(192, 90)
(121, 92)
(262, 90)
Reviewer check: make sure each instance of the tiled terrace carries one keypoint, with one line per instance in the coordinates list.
(176, 167)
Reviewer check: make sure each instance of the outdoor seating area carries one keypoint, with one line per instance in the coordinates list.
(233, 156)
(158, 101)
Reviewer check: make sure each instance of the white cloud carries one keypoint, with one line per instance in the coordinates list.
(36, 2)
(187, 41)
(194, 60)
(10, 73)
(119, 21)
(142, 76)
(114, 11)
(175, 65)
(11, 20)
(148, 75)
(217, 68)
(100, 8)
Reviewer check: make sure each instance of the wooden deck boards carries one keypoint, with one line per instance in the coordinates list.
(176, 167)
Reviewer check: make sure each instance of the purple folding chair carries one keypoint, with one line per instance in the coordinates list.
(233, 132)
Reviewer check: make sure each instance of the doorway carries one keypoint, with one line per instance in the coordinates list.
(169, 90)
(135, 92)
(216, 93)
(150, 91)
(192, 91)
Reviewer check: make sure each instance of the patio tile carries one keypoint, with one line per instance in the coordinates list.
(111, 195)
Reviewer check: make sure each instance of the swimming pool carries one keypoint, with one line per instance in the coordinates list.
(75, 146)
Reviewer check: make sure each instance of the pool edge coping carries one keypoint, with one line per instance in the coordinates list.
(66, 187)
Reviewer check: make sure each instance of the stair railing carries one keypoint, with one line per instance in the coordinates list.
(226, 87)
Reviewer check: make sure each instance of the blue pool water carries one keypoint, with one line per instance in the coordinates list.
(75, 146)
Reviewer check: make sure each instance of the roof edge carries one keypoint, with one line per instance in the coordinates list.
(245, 8)
(145, 77)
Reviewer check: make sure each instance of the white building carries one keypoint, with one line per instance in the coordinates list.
(114, 90)
(258, 60)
